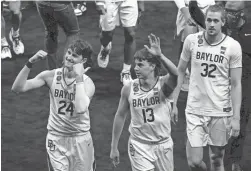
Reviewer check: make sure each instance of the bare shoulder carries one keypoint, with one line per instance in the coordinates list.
(47, 76)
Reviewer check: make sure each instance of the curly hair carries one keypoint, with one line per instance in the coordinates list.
(82, 47)
(143, 54)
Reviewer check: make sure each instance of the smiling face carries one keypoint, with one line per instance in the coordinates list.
(71, 58)
(214, 23)
(79, 51)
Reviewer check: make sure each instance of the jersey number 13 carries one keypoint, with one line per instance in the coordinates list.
(148, 115)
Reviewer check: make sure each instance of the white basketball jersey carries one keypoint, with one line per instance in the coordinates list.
(150, 113)
(209, 86)
(63, 119)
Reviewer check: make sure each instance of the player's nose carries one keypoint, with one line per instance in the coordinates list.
(136, 68)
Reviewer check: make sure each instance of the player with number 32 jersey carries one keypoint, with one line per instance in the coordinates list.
(209, 81)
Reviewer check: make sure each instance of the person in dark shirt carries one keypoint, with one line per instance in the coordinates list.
(238, 28)
(54, 14)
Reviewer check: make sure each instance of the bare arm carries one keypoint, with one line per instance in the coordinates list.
(235, 74)
(120, 116)
(236, 91)
(170, 80)
(182, 66)
(181, 73)
(21, 84)
(84, 92)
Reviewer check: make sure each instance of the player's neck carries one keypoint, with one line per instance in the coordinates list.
(69, 73)
(214, 39)
(148, 83)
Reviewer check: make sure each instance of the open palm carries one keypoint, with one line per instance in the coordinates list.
(154, 45)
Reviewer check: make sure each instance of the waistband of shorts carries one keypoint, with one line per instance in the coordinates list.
(213, 113)
(150, 142)
(68, 135)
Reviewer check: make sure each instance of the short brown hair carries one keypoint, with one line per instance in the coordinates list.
(82, 47)
(217, 8)
(143, 54)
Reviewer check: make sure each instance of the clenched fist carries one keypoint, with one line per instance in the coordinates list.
(79, 69)
(40, 55)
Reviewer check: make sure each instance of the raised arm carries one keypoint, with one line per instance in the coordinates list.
(21, 84)
(170, 80)
(85, 89)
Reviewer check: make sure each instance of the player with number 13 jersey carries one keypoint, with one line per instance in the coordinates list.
(150, 113)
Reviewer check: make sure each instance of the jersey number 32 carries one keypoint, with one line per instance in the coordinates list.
(208, 70)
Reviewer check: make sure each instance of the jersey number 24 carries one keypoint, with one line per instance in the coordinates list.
(65, 107)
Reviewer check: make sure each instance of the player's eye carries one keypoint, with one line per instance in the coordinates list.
(209, 20)
(216, 21)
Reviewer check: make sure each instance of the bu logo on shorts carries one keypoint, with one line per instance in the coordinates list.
(132, 150)
(51, 145)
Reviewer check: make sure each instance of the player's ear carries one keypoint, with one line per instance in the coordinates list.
(223, 22)
(153, 65)
(242, 13)
(84, 60)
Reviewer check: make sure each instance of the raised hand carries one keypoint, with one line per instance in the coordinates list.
(40, 55)
(154, 45)
(79, 69)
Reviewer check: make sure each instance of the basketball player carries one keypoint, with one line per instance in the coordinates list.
(112, 12)
(69, 143)
(213, 109)
(239, 28)
(147, 98)
(14, 36)
(186, 25)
